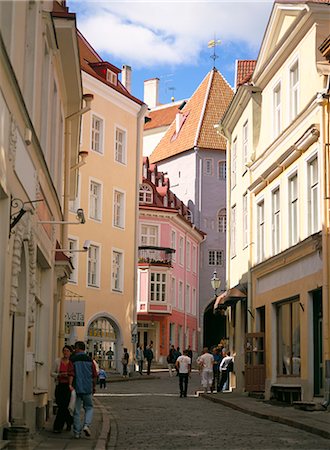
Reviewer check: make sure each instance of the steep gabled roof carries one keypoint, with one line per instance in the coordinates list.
(91, 62)
(162, 116)
(198, 117)
(244, 70)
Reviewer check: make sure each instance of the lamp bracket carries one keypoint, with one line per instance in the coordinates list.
(17, 211)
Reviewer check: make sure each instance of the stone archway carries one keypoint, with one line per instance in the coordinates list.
(104, 341)
(214, 326)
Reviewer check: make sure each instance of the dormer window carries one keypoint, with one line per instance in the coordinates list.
(145, 194)
(111, 77)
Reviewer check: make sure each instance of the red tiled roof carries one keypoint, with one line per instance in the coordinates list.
(162, 117)
(89, 61)
(204, 109)
(244, 70)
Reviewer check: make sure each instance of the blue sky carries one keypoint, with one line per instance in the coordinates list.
(168, 39)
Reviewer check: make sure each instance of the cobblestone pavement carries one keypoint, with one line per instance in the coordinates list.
(148, 414)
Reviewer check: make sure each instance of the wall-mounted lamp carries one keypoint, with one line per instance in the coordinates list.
(215, 283)
(80, 216)
(18, 204)
(85, 248)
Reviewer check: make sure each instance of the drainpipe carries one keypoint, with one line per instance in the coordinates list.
(139, 151)
(68, 130)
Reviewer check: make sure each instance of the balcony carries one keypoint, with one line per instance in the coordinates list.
(155, 256)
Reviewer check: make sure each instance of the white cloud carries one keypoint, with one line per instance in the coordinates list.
(153, 33)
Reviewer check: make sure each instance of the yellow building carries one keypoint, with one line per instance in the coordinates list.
(278, 135)
(101, 295)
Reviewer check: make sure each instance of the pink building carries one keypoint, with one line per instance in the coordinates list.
(168, 261)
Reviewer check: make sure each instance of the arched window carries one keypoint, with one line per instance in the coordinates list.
(222, 221)
(145, 194)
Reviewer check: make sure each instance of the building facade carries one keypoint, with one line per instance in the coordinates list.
(40, 100)
(103, 284)
(277, 131)
(168, 278)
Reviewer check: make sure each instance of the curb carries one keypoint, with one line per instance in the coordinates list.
(102, 441)
(283, 420)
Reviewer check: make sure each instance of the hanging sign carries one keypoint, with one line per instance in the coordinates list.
(74, 312)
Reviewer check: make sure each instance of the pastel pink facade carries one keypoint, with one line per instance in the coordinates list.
(168, 261)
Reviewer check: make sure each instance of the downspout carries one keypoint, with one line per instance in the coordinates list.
(67, 133)
(139, 152)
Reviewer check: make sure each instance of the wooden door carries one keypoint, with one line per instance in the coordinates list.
(255, 372)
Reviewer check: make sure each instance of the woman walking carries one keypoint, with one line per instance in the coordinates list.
(124, 361)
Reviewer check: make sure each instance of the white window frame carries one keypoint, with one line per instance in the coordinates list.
(261, 224)
(222, 170)
(119, 209)
(117, 270)
(159, 283)
(146, 194)
(313, 194)
(222, 220)
(180, 295)
(96, 261)
(194, 258)
(294, 89)
(277, 109)
(147, 237)
(73, 244)
(188, 255)
(173, 244)
(245, 144)
(111, 77)
(187, 299)
(215, 257)
(193, 302)
(181, 250)
(95, 201)
(276, 220)
(173, 291)
(99, 149)
(233, 163)
(233, 231)
(208, 166)
(293, 204)
(120, 147)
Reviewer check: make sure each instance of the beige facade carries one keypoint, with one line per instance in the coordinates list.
(277, 161)
(39, 93)
(104, 277)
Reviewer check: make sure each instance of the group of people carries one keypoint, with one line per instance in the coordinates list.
(214, 368)
(75, 373)
(140, 356)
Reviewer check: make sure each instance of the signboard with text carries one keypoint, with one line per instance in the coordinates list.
(74, 313)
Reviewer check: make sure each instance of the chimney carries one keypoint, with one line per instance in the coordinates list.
(151, 88)
(126, 77)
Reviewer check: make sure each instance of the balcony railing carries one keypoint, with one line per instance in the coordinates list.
(152, 255)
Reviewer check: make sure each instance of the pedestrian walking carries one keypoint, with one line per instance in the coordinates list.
(63, 373)
(139, 356)
(216, 368)
(183, 364)
(102, 378)
(177, 353)
(171, 360)
(124, 361)
(226, 366)
(205, 362)
(149, 355)
(84, 383)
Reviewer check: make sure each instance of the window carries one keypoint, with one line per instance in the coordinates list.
(276, 221)
(149, 235)
(111, 77)
(117, 271)
(120, 146)
(313, 196)
(245, 145)
(261, 231)
(145, 194)
(193, 302)
(119, 209)
(245, 221)
(173, 292)
(97, 134)
(188, 256)
(288, 338)
(180, 295)
(158, 287)
(181, 251)
(73, 245)
(222, 221)
(215, 257)
(194, 258)
(173, 244)
(188, 298)
(294, 90)
(222, 170)
(233, 232)
(95, 195)
(293, 210)
(208, 168)
(277, 110)
(233, 163)
(93, 266)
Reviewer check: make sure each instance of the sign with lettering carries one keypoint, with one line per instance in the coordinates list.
(74, 312)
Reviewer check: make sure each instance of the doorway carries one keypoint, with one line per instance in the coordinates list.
(214, 326)
(318, 342)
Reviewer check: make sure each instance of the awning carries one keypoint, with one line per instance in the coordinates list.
(230, 297)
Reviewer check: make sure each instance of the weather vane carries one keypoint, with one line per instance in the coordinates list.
(213, 43)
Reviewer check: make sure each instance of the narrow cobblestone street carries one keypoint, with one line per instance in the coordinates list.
(149, 414)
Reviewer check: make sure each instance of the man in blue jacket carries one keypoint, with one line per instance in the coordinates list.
(84, 383)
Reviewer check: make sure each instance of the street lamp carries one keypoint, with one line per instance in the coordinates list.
(215, 283)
